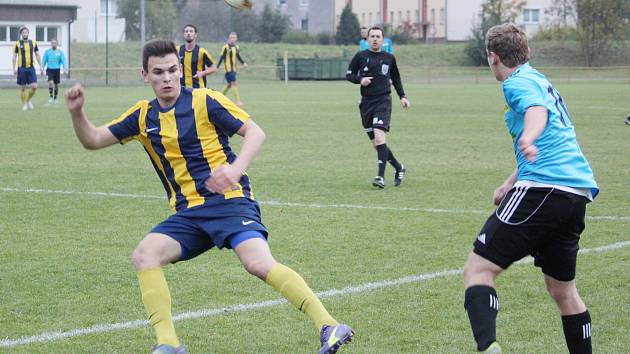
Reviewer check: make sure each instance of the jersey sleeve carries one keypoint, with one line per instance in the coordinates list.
(35, 47)
(207, 58)
(16, 47)
(396, 80)
(522, 93)
(224, 114)
(45, 59)
(222, 56)
(126, 127)
(238, 55)
(352, 74)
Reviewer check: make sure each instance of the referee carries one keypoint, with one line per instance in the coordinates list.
(376, 71)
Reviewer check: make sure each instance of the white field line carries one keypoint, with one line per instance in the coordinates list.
(358, 289)
(290, 204)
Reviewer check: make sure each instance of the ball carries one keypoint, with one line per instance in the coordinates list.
(240, 4)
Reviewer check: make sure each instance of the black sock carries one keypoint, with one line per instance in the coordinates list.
(56, 90)
(382, 152)
(482, 305)
(50, 91)
(392, 160)
(577, 332)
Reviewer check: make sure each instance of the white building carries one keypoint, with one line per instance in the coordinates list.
(44, 21)
(92, 18)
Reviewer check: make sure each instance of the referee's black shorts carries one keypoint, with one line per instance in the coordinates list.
(545, 223)
(53, 75)
(376, 112)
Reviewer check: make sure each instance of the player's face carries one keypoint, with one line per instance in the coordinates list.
(364, 32)
(163, 73)
(492, 63)
(54, 44)
(24, 34)
(189, 34)
(233, 38)
(375, 39)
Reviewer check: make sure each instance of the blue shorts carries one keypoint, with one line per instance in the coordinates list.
(230, 77)
(200, 228)
(26, 76)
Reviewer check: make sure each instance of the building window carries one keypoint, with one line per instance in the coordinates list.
(531, 15)
(400, 17)
(408, 16)
(3, 33)
(417, 16)
(391, 18)
(46, 33)
(363, 19)
(14, 33)
(303, 2)
(110, 5)
(442, 16)
(432, 16)
(305, 24)
(282, 2)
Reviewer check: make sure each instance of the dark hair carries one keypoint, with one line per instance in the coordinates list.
(192, 26)
(375, 28)
(509, 43)
(157, 48)
(364, 27)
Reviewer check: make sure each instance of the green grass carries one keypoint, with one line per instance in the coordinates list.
(66, 257)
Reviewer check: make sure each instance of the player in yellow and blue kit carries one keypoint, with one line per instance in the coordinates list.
(540, 207)
(186, 136)
(24, 51)
(196, 61)
(230, 53)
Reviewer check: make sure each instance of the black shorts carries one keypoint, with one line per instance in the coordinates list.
(53, 75)
(545, 223)
(376, 112)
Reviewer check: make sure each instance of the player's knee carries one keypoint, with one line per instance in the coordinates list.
(258, 267)
(142, 258)
(565, 294)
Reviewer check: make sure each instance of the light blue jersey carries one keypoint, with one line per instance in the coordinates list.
(387, 45)
(54, 59)
(560, 160)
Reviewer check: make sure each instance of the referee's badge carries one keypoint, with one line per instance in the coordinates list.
(385, 69)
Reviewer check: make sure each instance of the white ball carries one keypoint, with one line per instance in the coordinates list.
(240, 4)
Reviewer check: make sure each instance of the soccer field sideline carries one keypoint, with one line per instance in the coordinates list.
(282, 203)
(358, 289)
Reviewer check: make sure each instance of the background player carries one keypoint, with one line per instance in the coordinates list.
(54, 62)
(541, 205)
(373, 69)
(230, 53)
(197, 62)
(24, 51)
(185, 133)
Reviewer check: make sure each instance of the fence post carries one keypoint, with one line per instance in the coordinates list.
(286, 67)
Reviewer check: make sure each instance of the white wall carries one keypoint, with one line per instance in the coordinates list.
(6, 46)
(90, 23)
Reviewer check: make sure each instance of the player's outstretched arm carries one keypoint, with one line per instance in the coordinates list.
(535, 123)
(91, 137)
(227, 175)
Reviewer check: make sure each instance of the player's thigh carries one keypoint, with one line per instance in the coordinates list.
(181, 228)
(156, 249)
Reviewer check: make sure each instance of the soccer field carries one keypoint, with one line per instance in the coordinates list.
(388, 262)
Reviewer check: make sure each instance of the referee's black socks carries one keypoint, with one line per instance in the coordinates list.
(392, 160)
(50, 91)
(482, 305)
(577, 332)
(382, 152)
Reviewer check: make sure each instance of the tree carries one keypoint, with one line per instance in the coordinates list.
(493, 12)
(348, 30)
(273, 25)
(159, 19)
(599, 24)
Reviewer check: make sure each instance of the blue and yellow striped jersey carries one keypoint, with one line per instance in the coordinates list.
(193, 61)
(230, 53)
(25, 50)
(185, 142)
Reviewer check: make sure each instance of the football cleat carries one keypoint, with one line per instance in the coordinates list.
(168, 349)
(25, 107)
(493, 348)
(378, 182)
(627, 120)
(399, 175)
(333, 337)
(30, 105)
(50, 100)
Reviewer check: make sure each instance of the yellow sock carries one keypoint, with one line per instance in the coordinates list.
(31, 93)
(225, 89)
(291, 285)
(235, 91)
(23, 96)
(157, 302)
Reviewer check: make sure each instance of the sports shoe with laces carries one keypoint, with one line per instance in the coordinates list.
(30, 105)
(168, 349)
(399, 175)
(50, 100)
(333, 337)
(379, 182)
(493, 348)
(628, 120)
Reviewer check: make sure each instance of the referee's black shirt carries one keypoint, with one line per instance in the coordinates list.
(379, 65)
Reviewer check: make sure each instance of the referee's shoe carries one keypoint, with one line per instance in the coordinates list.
(628, 120)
